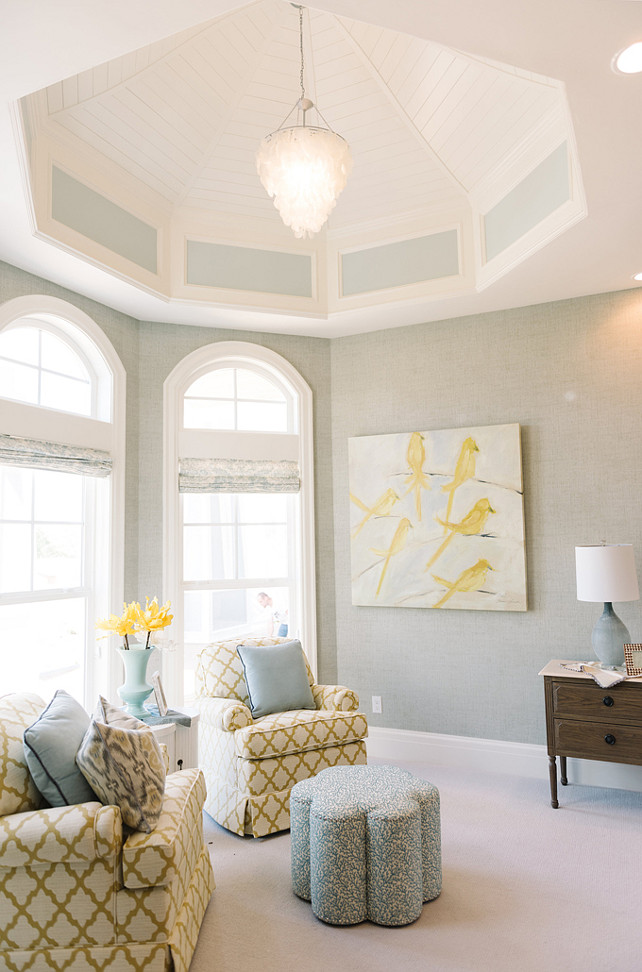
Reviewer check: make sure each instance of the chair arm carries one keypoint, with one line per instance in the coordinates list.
(335, 697)
(226, 714)
(173, 847)
(60, 835)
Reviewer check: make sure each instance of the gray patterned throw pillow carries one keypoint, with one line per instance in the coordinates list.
(125, 767)
(113, 715)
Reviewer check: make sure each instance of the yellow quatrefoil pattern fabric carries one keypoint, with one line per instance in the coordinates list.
(297, 731)
(17, 789)
(78, 893)
(220, 672)
(250, 765)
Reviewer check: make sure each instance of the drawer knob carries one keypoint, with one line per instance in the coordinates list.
(609, 739)
(607, 700)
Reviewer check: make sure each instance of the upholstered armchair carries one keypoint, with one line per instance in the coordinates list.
(251, 764)
(79, 891)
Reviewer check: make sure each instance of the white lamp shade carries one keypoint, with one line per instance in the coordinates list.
(606, 572)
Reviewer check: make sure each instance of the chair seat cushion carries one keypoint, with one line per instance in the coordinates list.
(298, 731)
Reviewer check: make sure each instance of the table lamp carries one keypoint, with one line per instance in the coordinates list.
(606, 572)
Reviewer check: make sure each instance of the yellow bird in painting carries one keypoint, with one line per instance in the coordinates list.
(464, 469)
(416, 456)
(472, 524)
(398, 542)
(381, 507)
(471, 579)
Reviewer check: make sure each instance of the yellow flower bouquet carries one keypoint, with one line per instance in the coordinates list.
(135, 619)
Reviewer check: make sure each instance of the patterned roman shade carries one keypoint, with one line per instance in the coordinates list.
(238, 476)
(36, 454)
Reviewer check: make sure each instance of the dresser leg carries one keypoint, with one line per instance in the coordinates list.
(552, 771)
(563, 776)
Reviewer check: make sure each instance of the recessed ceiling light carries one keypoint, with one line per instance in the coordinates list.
(629, 61)
(637, 276)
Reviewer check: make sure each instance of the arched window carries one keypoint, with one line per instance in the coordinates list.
(239, 532)
(61, 479)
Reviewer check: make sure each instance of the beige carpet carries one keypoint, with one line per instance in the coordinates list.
(525, 888)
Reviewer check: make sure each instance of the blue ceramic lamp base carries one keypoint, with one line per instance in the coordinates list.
(609, 637)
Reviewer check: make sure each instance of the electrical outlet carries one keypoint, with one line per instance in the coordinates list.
(376, 704)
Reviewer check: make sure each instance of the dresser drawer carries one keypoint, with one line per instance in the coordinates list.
(586, 700)
(598, 740)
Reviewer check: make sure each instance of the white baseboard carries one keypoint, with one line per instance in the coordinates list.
(494, 756)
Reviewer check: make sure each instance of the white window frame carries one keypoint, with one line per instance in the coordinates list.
(234, 354)
(106, 432)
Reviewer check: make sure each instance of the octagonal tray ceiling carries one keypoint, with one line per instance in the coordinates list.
(145, 165)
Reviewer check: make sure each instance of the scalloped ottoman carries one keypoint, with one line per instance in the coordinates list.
(365, 844)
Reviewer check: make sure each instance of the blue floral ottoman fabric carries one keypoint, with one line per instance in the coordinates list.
(365, 844)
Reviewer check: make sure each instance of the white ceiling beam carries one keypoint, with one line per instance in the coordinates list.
(399, 108)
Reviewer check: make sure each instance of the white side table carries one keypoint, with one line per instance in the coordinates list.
(181, 740)
(187, 741)
(166, 734)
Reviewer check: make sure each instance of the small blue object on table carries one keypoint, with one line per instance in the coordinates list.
(153, 718)
(365, 844)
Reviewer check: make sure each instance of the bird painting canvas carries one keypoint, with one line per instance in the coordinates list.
(437, 519)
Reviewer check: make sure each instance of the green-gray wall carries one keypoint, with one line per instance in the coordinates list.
(569, 373)
(149, 352)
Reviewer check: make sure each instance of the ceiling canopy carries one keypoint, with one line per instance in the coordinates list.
(145, 165)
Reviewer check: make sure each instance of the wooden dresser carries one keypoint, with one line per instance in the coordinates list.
(588, 722)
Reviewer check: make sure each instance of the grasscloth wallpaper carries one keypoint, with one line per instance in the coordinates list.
(569, 373)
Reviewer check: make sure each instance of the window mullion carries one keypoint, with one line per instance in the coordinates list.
(88, 570)
(235, 585)
(33, 533)
(236, 401)
(39, 367)
(237, 538)
(35, 597)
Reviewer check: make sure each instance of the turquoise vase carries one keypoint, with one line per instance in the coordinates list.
(135, 689)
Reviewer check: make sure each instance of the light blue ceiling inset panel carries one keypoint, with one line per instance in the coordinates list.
(399, 264)
(543, 191)
(86, 211)
(246, 268)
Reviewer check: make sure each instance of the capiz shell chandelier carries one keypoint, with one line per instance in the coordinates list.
(304, 167)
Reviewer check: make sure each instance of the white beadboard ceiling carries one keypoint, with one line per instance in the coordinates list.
(447, 107)
(184, 116)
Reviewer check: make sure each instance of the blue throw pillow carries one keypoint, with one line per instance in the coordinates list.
(276, 678)
(50, 746)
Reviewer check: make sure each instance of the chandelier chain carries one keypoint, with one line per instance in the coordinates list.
(301, 51)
